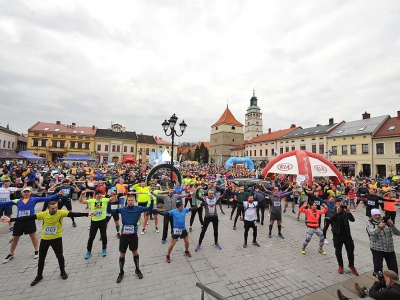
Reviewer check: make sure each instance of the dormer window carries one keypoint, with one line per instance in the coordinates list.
(233, 127)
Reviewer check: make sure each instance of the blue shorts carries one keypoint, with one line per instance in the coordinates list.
(121, 201)
(6, 211)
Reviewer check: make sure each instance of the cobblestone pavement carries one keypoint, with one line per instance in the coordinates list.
(276, 270)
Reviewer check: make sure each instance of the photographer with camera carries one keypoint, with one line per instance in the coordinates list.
(381, 231)
(386, 286)
(342, 236)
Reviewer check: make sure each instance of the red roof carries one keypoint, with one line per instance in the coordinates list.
(390, 128)
(206, 144)
(228, 119)
(63, 128)
(272, 136)
(22, 138)
(160, 141)
(184, 150)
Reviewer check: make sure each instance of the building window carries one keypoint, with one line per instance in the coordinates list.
(36, 134)
(251, 152)
(260, 152)
(233, 127)
(233, 140)
(72, 145)
(365, 149)
(397, 147)
(62, 144)
(4, 144)
(35, 143)
(99, 147)
(353, 149)
(281, 150)
(334, 150)
(79, 145)
(125, 148)
(147, 151)
(54, 144)
(12, 145)
(272, 151)
(44, 143)
(266, 152)
(216, 128)
(118, 148)
(314, 148)
(87, 145)
(106, 148)
(302, 147)
(380, 148)
(247, 153)
(293, 148)
(344, 150)
(287, 149)
(9, 144)
(321, 148)
(113, 148)
(131, 149)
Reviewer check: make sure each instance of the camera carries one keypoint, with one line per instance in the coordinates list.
(343, 206)
(381, 278)
(385, 219)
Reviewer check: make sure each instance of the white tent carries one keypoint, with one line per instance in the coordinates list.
(166, 157)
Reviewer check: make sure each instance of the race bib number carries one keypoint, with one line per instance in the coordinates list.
(340, 196)
(114, 206)
(362, 195)
(317, 202)
(24, 213)
(65, 193)
(380, 201)
(120, 191)
(3, 199)
(177, 231)
(98, 213)
(108, 215)
(277, 203)
(305, 198)
(50, 230)
(291, 196)
(128, 229)
(370, 202)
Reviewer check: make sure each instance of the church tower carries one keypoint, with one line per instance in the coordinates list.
(226, 133)
(253, 124)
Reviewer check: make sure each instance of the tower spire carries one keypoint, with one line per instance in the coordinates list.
(227, 103)
(254, 91)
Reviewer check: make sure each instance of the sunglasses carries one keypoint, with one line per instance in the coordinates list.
(26, 191)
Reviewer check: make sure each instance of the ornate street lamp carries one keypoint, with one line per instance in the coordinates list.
(171, 125)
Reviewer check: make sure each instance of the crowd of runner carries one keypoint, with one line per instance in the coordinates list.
(126, 194)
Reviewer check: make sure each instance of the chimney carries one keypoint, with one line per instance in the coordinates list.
(398, 113)
(93, 127)
(58, 122)
(366, 115)
(269, 130)
(331, 121)
(293, 126)
(73, 124)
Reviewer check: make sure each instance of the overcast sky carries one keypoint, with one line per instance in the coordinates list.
(137, 62)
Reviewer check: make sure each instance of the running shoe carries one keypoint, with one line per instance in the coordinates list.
(321, 251)
(197, 248)
(293, 212)
(190, 229)
(88, 255)
(284, 210)
(157, 230)
(35, 255)
(244, 245)
(256, 244)
(230, 218)
(138, 223)
(354, 271)
(88, 227)
(147, 222)
(298, 219)
(326, 242)
(142, 232)
(340, 270)
(139, 274)
(269, 235)
(163, 241)
(353, 210)
(36, 280)
(104, 252)
(11, 229)
(8, 258)
(120, 276)
(218, 246)
(64, 275)
(303, 251)
(118, 235)
(168, 259)
(187, 253)
(281, 236)
(234, 227)
(73, 224)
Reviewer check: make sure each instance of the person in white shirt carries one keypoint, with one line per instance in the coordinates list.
(250, 217)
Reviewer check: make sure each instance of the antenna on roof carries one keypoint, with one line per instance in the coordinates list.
(227, 103)
(254, 92)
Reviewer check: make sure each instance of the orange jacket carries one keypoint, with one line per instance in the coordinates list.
(390, 206)
(312, 219)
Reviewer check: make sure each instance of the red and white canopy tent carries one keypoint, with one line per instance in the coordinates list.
(302, 162)
(129, 159)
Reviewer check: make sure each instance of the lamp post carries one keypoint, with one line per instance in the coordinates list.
(171, 125)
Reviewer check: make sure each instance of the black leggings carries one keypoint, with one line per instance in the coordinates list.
(391, 214)
(200, 211)
(208, 220)
(247, 226)
(57, 246)
(261, 206)
(239, 212)
(347, 241)
(327, 222)
(94, 226)
(188, 200)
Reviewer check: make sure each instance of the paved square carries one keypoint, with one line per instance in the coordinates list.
(276, 270)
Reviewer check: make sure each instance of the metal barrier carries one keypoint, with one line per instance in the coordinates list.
(208, 291)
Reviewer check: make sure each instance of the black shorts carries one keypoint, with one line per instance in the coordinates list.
(130, 240)
(182, 236)
(66, 203)
(276, 217)
(115, 217)
(21, 228)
